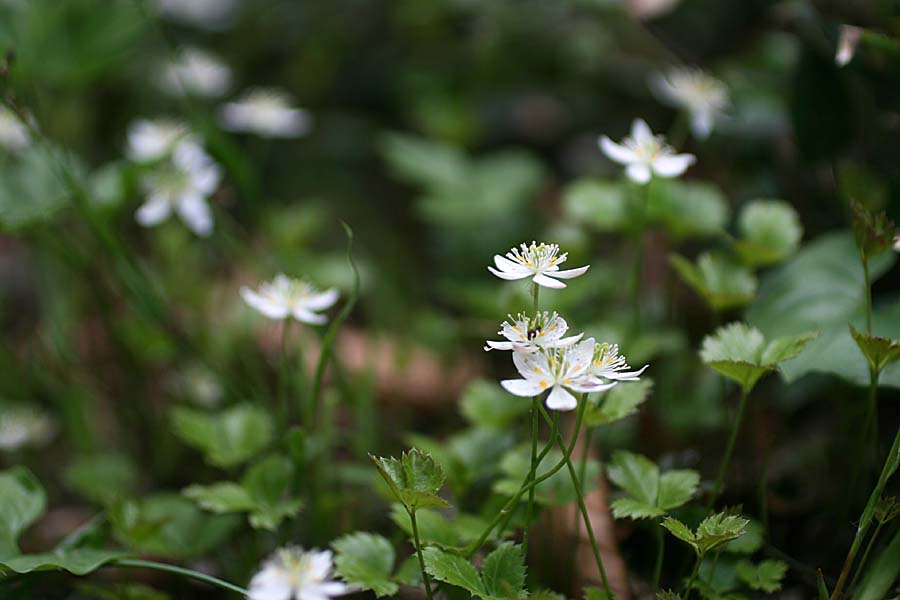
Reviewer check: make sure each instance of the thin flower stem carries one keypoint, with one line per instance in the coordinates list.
(284, 403)
(415, 528)
(156, 566)
(890, 465)
(729, 450)
(869, 420)
(576, 484)
(535, 427)
(660, 554)
(868, 289)
(690, 584)
(865, 556)
(504, 512)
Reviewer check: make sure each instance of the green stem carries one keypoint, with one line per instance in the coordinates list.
(284, 405)
(660, 553)
(729, 450)
(155, 566)
(690, 583)
(865, 521)
(415, 528)
(535, 296)
(865, 264)
(529, 515)
(504, 513)
(576, 484)
(865, 556)
(869, 421)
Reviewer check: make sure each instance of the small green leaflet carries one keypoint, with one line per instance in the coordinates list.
(764, 577)
(650, 494)
(365, 560)
(414, 479)
(713, 531)
(502, 575)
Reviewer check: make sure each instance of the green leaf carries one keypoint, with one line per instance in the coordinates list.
(677, 487)
(434, 527)
(874, 233)
(102, 478)
(821, 288)
(227, 438)
(31, 188)
(638, 476)
(365, 560)
(750, 542)
(555, 490)
(741, 353)
(486, 404)
(668, 595)
(687, 209)
(118, 591)
(169, 525)
(414, 479)
(881, 574)
(879, 351)
(821, 587)
(721, 283)
(223, 497)
(887, 509)
(602, 205)
(713, 531)
(764, 577)
(618, 403)
(679, 530)
(770, 232)
(503, 571)
(78, 561)
(455, 570)
(22, 502)
(595, 593)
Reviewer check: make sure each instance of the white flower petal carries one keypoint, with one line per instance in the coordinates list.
(566, 341)
(269, 584)
(638, 173)
(673, 166)
(508, 266)
(560, 399)
(702, 124)
(153, 212)
(545, 281)
(266, 306)
(590, 385)
(306, 316)
(522, 387)
(625, 375)
(498, 345)
(333, 588)
(509, 276)
(195, 213)
(640, 132)
(617, 152)
(322, 300)
(533, 366)
(569, 273)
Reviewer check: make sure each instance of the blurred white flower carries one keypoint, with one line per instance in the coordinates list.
(200, 384)
(527, 334)
(607, 364)
(644, 154)
(897, 244)
(556, 370)
(151, 139)
(206, 14)
(848, 40)
(14, 134)
(704, 97)
(294, 574)
(266, 112)
(195, 72)
(538, 261)
(284, 297)
(182, 185)
(22, 426)
(649, 9)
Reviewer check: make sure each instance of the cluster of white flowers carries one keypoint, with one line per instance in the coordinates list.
(265, 112)
(294, 574)
(181, 176)
(284, 298)
(545, 357)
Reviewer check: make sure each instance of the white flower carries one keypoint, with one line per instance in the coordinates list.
(207, 14)
(649, 9)
(645, 153)
(182, 184)
(195, 72)
(847, 43)
(538, 261)
(293, 574)
(527, 334)
(284, 297)
(556, 370)
(897, 243)
(14, 134)
(705, 98)
(607, 364)
(149, 140)
(265, 112)
(24, 426)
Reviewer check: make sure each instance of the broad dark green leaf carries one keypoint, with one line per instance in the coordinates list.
(78, 561)
(365, 560)
(770, 232)
(503, 571)
(22, 502)
(455, 570)
(228, 437)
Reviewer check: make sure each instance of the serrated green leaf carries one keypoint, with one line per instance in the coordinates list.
(601, 205)
(687, 209)
(22, 502)
(414, 479)
(770, 232)
(879, 351)
(717, 529)
(652, 494)
(545, 594)
(631, 508)
(764, 577)
(618, 403)
(455, 570)
(365, 560)
(228, 437)
(721, 283)
(679, 530)
(874, 232)
(636, 474)
(677, 488)
(750, 542)
(78, 561)
(503, 571)
(668, 595)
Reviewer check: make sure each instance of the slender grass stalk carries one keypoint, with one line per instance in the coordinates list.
(504, 512)
(660, 555)
(134, 563)
(729, 449)
(576, 484)
(415, 528)
(865, 556)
